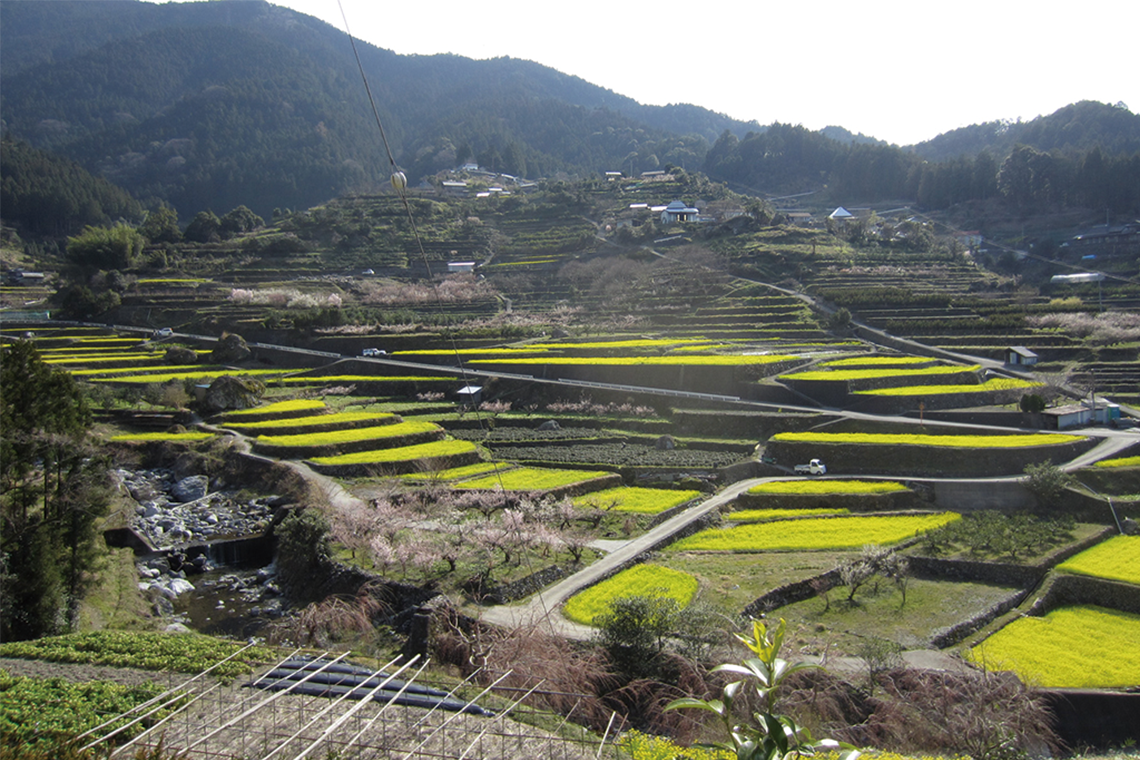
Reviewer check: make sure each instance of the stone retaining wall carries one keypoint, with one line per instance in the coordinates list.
(524, 587)
(883, 502)
(790, 593)
(917, 461)
(950, 636)
(964, 570)
(1068, 590)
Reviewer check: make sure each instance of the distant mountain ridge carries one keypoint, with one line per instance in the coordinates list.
(216, 104)
(1075, 127)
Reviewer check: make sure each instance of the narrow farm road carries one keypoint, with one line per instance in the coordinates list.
(543, 607)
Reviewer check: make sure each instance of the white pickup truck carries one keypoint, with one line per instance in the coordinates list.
(815, 467)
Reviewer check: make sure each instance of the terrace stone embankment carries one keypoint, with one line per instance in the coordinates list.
(855, 502)
(920, 460)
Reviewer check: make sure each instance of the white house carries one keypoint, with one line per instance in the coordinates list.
(677, 211)
(460, 267)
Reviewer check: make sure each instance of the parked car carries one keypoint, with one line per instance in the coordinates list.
(163, 332)
(373, 352)
(815, 467)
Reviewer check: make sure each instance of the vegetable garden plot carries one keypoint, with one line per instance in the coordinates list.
(814, 534)
(1117, 559)
(1071, 647)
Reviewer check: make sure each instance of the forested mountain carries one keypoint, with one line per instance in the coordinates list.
(1074, 128)
(213, 105)
(786, 159)
(216, 104)
(48, 195)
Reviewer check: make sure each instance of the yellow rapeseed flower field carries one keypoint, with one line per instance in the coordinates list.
(646, 501)
(639, 580)
(1117, 559)
(1015, 440)
(994, 384)
(827, 486)
(814, 534)
(1071, 647)
(400, 453)
(531, 479)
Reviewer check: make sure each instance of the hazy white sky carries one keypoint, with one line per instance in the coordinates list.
(900, 71)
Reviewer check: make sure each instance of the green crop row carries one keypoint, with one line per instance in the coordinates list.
(431, 450)
(646, 501)
(189, 653)
(1016, 440)
(815, 534)
(46, 713)
(1071, 647)
(1117, 559)
(640, 580)
(351, 435)
(140, 437)
(827, 487)
(758, 515)
(866, 374)
(531, 479)
(993, 384)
